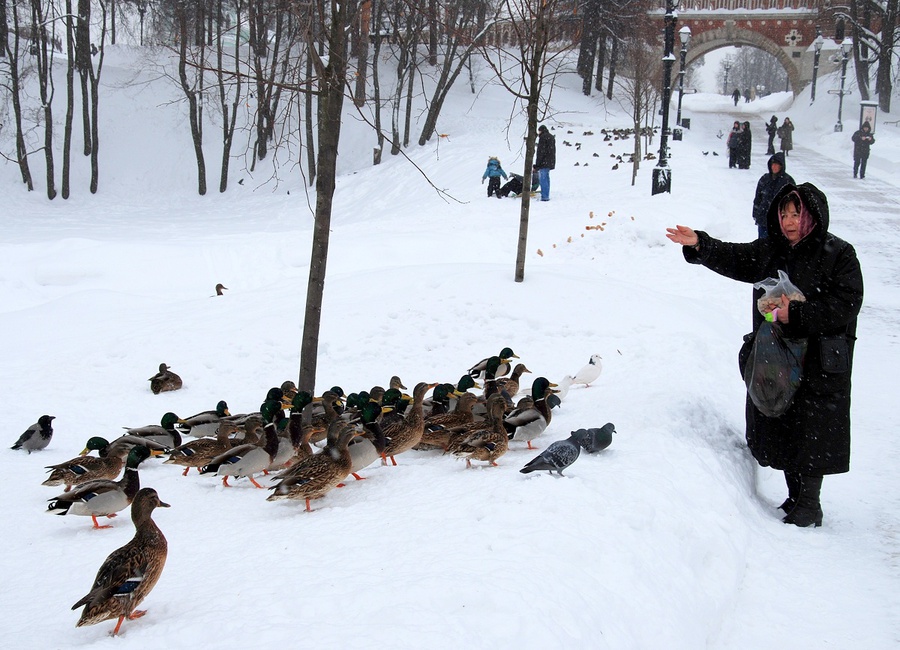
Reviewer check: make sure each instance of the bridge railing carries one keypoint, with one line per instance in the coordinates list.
(744, 5)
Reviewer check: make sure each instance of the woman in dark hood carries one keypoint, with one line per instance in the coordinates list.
(745, 146)
(812, 438)
(771, 130)
(766, 189)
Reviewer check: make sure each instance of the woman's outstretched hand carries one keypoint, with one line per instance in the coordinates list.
(682, 235)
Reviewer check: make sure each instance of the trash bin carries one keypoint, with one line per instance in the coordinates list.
(676, 134)
(686, 122)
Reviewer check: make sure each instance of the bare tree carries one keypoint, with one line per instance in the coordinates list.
(862, 15)
(191, 86)
(13, 51)
(41, 23)
(229, 91)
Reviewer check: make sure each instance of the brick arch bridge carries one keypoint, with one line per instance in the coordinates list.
(783, 28)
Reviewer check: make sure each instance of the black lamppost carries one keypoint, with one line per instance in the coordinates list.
(662, 175)
(846, 46)
(817, 44)
(726, 63)
(685, 35)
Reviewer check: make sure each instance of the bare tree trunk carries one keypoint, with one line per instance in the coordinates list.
(411, 79)
(884, 80)
(112, 12)
(376, 84)
(362, 51)
(310, 98)
(331, 101)
(433, 26)
(194, 111)
(44, 55)
(4, 30)
(613, 60)
(601, 59)
(228, 120)
(70, 99)
(94, 77)
(12, 52)
(83, 62)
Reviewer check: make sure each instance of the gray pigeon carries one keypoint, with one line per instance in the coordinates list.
(37, 436)
(558, 456)
(594, 440)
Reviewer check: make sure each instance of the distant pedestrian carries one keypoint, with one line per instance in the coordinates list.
(786, 133)
(766, 189)
(545, 160)
(493, 172)
(862, 140)
(736, 96)
(746, 141)
(746, 95)
(733, 144)
(771, 130)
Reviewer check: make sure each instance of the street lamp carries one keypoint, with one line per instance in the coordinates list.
(662, 175)
(685, 35)
(817, 44)
(726, 63)
(846, 46)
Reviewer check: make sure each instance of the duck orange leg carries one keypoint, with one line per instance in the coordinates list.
(308, 509)
(97, 525)
(529, 445)
(225, 481)
(186, 470)
(358, 477)
(136, 614)
(118, 625)
(255, 483)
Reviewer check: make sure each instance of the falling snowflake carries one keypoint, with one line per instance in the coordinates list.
(793, 38)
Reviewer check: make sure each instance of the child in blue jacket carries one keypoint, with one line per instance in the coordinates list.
(493, 172)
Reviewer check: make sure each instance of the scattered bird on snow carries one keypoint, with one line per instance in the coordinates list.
(503, 369)
(594, 440)
(220, 288)
(557, 457)
(37, 436)
(715, 154)
(164, 380)
(129, 573)
(705, 153)
(588, 373)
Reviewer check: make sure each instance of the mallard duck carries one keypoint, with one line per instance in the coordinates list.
(295, 447)
(197, 453)
(367, 448)
(164, 380)
(84, 468)
(315, 476)
(439, 402)
(487, 443)
(220, 289)
(129, 573)
(406, 434)
(289, 389)
(205, 423)
(527, 422)
(37, 436)
(248, 459)
(503, 369)
(510, 385)
(438, 427)
(163, 433)
(102, 498)
(330, 402)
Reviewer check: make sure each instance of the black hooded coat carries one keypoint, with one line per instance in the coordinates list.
(767, 187)
(813, 437)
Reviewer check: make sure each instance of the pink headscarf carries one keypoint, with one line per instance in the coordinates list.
(807, 223)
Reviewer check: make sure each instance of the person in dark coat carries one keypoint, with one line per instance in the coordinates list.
(771, 130)
(786, 133)
(514, 186)
(862, 140)
(812, 438)
(766, 189)
(545, 160)
(744, 146)
(746, 95)
(733, 144)
(736, 96)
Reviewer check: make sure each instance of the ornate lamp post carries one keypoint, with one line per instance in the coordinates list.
(726, 63)
(685, 35)
(662, 175)
(817, 44)
(846, 46)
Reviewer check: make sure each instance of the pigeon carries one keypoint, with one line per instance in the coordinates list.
(557, 457)
(594, 440)
(715, 154)
(705, 153)
(37, 436)
(589, 373)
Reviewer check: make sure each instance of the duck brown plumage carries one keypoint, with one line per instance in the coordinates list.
(486, 443)
(164, 380)
(407, 433)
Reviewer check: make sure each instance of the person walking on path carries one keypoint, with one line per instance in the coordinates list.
(771, 129)
(746, 143)
(812, 438)
(862, 140)
(766, 188)
(786, 133)
(545, 160)
(493, 172)
(736, 96)
(733, 142)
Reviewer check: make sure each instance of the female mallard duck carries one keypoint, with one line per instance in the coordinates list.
(510, 385)
(163, 433)
(102, 498)
(130, 572)
(331, 410)
(205, 423)
(406, 434)
(438, 427)
(503, 369)
(164, 380)
(197, 453)
(249, 459)
(315, 476)
(488, 442)
(527, 422)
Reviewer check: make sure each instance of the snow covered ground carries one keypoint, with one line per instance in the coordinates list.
(669, 538)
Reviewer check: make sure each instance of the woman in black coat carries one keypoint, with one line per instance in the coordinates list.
(812, 438)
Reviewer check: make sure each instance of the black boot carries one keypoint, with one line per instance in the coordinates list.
(808, 510)
(793, 484)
